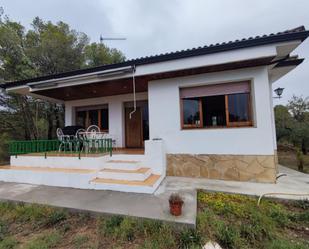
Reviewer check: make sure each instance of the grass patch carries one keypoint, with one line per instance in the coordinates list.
(284, 244)
(3, 229)
(37, 215)
(234, 221)
(80, 241)
(8, 243)
(44, 241)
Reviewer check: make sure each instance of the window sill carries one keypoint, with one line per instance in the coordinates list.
(216, 127)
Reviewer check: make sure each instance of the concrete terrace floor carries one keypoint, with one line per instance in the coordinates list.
(151, 206)
(294, 182)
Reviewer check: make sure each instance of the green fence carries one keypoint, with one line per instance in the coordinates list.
(73, 146)
(33, 146)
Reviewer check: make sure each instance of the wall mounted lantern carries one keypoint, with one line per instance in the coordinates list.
(279, 92)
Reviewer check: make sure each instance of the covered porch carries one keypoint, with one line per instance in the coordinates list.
(136, 170)
(122, 158)
(120, 98)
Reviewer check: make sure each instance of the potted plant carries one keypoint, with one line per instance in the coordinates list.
(176, 203)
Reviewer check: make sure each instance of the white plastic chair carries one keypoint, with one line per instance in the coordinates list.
(93, 133)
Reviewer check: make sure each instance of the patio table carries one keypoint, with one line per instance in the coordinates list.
(93, 139)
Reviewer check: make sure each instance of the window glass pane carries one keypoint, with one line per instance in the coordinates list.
(93, 117)
(191, 114)
(104, 119)
(81, 118)
(239, 107)
(214, 111)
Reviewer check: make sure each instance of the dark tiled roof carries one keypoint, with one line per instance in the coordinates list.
(299, 33)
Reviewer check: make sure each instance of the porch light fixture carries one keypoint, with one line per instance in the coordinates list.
(279, 92)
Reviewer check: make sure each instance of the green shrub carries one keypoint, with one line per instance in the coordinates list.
(8, 243)
(45, 241)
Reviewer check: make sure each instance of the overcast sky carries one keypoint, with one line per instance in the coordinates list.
(159, 26)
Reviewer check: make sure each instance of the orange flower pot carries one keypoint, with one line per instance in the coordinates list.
(176, 208)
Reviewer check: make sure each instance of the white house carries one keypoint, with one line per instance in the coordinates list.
(202, 112)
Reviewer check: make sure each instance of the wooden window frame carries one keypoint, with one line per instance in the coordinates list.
(192, 126)
(87, 121)
(240, 124)
(248, 123)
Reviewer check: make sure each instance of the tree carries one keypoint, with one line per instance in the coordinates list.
(299, 107)
(46, 48)
(284, 122)
(99, 54)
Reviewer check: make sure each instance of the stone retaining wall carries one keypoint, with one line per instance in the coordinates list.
(256, 168)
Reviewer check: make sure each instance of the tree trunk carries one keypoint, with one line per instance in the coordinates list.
(29, 126)
(303, 146)
(50, 119)
(300, 160)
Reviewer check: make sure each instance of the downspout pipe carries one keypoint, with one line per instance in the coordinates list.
(134, 92)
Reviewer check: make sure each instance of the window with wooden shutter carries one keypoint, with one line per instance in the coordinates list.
(220, 105)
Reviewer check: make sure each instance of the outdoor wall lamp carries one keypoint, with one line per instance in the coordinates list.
(279, 92)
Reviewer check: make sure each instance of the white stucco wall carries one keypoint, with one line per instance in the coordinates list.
(115, 112)
(164, 117)
(272, 115)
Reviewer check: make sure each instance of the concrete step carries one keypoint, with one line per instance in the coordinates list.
(48, 169)
(122, 164)
(60, 177)
(149, 185)
(129, 157)
(140, 174)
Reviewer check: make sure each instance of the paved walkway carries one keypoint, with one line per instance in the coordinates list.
(151, 206)
(103, 201)
(294, 183)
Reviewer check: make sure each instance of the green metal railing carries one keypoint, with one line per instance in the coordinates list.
(73, 146)
(33, 146)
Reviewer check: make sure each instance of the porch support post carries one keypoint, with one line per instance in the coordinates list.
(116, 121)
(69, 115)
